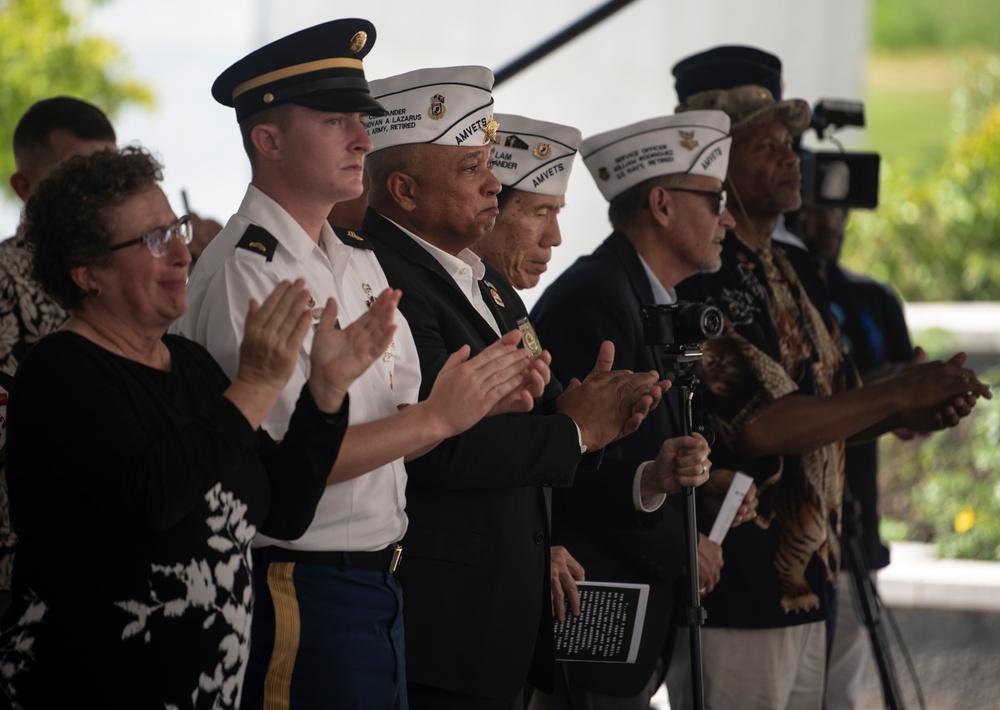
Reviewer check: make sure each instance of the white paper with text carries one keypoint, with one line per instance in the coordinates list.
(609, 627)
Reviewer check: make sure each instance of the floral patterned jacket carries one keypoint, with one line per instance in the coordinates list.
(26, 314)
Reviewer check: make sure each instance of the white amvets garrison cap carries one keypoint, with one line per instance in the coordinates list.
(534, 156)
(443, 106)
(694, 142)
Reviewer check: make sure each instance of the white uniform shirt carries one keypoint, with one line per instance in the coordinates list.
(367, 512)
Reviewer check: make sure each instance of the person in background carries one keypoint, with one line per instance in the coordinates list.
(49, 131)
(138, 472)
(873, 330)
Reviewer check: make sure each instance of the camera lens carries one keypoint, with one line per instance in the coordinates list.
(711, 322)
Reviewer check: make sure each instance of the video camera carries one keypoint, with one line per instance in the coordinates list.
(838, 179)
(680, 328)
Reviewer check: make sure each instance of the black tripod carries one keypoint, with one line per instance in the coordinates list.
(680, 328)
(870, 603)
(680, 361)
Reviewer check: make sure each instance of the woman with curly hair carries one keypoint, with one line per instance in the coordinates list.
(138, 473)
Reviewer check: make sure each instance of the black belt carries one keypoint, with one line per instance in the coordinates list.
(387, 559)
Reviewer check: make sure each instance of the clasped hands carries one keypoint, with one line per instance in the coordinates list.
(610, 404)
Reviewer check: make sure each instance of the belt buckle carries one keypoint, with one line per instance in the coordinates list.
(397, 554)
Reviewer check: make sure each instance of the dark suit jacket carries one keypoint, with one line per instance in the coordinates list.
(475, 562)
(598, 298)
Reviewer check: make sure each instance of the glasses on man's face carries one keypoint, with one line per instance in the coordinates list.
(158, 239)
(718, 198)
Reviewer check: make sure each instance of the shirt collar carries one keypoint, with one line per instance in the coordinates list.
(264, 211)
(661, 296)
(450, 263)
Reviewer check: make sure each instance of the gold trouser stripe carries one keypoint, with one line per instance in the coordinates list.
(304, 68)
(287, 635)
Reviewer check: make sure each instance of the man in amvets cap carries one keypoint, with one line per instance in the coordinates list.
(477, 579)
(776, 393)
(532, 160)
(663, 180)
(327, 631)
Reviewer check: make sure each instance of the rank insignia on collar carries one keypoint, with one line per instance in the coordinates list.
(688, 141)
(493, 292)
(354, 235)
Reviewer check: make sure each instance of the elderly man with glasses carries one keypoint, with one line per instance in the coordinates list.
(663, 181)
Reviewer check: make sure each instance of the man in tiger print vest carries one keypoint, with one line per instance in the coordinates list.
(782, 400)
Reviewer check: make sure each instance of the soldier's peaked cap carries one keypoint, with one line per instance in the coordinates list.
(319, 67)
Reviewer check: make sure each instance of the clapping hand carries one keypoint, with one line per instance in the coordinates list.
(535, 377)
(610, 404)
(467, 389)
(340, 356)
(272, 336)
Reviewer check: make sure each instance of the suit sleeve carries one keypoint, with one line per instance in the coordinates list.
(503, 451)
(572, 321)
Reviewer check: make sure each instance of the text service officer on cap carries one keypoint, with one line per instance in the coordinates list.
(476, 584)
(663, 180)
(776, 390)
(328, 628)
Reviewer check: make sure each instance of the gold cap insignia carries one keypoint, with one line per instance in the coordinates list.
(437, 109)
(542, 151)
(358, 42)
(688, 141)
(603, 173)
(490, 131)
(268, 97)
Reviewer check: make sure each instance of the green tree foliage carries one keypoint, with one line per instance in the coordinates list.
(946, 488)
(936, 238)
(913, 25)
(44, 54)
